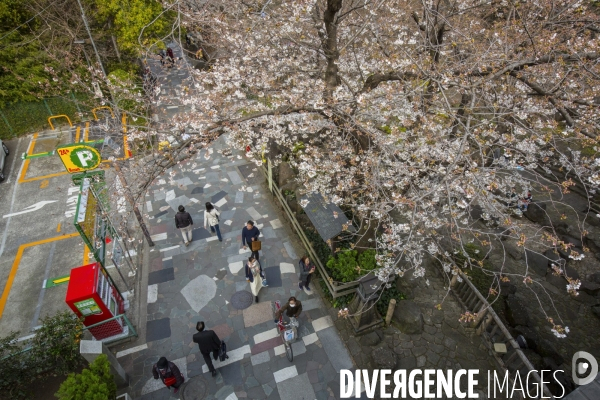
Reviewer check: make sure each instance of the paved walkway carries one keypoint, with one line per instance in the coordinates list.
(199, 282)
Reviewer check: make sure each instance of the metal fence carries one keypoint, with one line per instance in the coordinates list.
(105, 331)
(25, 117)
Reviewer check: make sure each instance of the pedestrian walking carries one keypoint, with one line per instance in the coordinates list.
(168, 373)
(255, 275)
(306, 271)
(183, 221)
(211, 216)
(208, 342)
(250, 234)
(171, 55)
(292, 308)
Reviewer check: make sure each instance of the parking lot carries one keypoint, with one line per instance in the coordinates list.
(39, 244)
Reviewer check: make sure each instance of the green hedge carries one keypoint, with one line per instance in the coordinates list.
(20, 118)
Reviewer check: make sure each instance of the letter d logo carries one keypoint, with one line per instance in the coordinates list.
(590, 365)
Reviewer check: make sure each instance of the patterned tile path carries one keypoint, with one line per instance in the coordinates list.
(188, 284)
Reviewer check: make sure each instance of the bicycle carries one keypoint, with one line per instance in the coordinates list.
(287, 331)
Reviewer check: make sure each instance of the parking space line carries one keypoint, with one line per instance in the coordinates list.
(86, 132)
(15, 266)
(77, 133)
(26, 161)
(26, 165)
(86, 257)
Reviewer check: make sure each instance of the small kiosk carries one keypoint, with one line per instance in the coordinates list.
(92, 296)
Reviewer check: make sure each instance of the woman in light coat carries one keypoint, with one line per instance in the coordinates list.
(211, 216)
(254, 275)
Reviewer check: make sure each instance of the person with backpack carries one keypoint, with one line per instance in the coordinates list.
(208, 342)
(183, 221)
(168, 373)
(211, 215)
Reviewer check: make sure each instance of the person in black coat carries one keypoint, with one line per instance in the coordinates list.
(208, 342)
(166, 371)
(250, 233)
(183, 221)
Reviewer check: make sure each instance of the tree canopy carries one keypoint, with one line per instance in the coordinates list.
(423, 117)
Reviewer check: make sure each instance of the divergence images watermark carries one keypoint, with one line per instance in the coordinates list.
(433, 384)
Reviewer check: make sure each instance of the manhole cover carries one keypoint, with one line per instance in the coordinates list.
(195, 389)
(241, 300)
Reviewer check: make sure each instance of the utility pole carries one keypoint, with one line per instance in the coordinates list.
(87, 28)
(131, 201)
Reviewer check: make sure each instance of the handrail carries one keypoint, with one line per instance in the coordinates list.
(486, 308)
(335, 289)
(59, 116)
(99, 108)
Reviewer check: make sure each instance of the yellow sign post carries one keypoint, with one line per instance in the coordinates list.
(79, 157)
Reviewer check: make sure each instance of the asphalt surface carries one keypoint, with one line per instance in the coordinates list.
(35, 245)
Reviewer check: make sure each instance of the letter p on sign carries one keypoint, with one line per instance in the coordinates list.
(85, 156)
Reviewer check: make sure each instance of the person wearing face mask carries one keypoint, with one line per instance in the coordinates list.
(168, 373)
(292, 308)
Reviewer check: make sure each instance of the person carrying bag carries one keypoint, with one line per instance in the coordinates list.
(211, 216)
(255, 275)
(168, 373)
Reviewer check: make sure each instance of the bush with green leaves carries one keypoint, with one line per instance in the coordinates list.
(348, 266)
(386, 296)
(54, 348)
(95, 383)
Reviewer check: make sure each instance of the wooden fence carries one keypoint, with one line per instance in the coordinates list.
(336, 289)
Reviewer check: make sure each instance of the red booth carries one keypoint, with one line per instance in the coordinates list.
(92, 296)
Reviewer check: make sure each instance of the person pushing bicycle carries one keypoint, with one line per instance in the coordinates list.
(292, 309)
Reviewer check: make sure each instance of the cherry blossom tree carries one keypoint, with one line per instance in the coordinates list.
(431, 120)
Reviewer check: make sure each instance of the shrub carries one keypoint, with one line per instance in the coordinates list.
(323, 251)
(95, 383)
(386, 296)
(55, 348)
(346, 268)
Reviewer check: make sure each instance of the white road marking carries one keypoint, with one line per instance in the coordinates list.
(284, 374)
(234, 356)
(31, 208)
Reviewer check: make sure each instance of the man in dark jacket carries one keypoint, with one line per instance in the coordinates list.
(208, 342)
(250, 233)
(168, 372)
(183, 221)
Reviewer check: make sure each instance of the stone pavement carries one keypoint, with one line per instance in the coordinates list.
(203, 281)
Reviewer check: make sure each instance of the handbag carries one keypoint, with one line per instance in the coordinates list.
(223, 352)
(170, 381)
(264, 282)
(255, 245)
